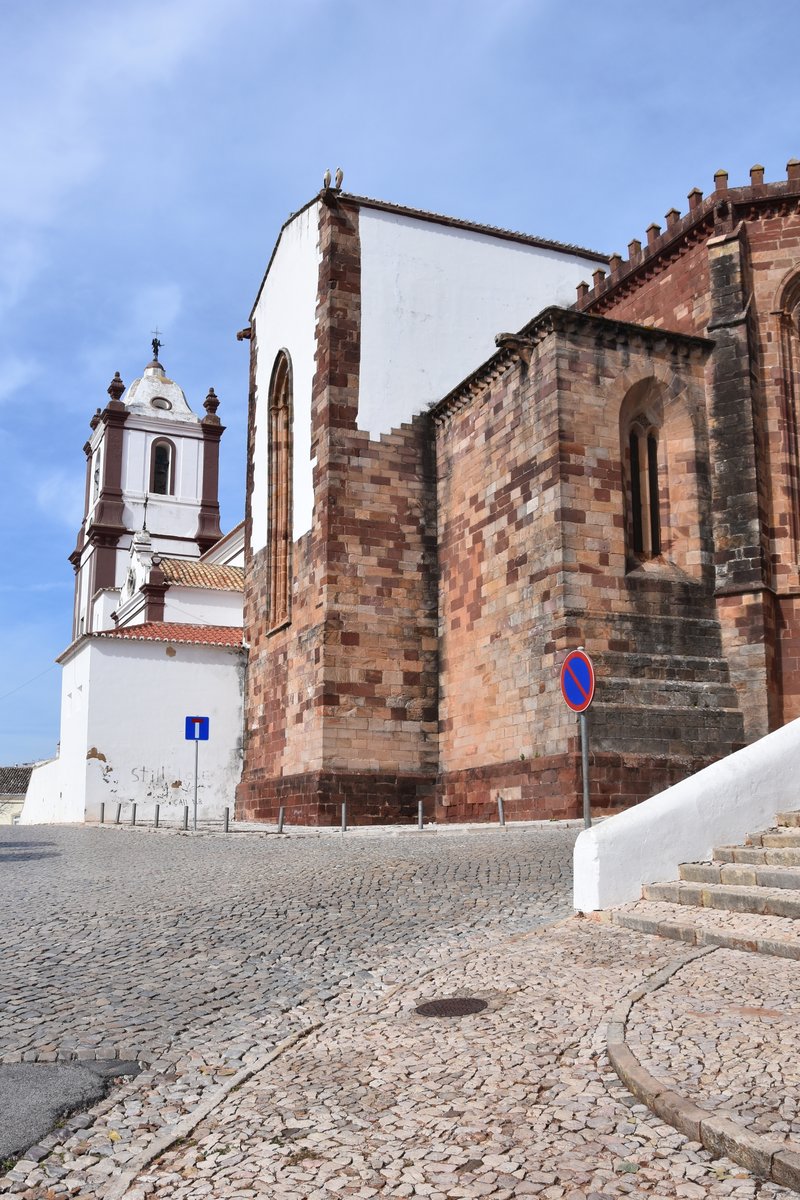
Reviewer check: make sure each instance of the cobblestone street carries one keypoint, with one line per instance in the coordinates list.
(124, 940)
(268, 986)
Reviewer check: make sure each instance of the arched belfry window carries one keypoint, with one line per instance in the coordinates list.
(279, 527)
(162, 468)
(640, 428)
(97, 474)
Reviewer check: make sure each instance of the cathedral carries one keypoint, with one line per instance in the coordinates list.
(469, 451)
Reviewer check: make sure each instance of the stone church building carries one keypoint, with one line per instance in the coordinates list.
(458, 471)
(464, 460)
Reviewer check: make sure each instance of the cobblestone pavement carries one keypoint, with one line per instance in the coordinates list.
(199, 955)
(518, 1100)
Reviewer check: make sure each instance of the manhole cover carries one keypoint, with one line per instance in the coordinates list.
(455, 1006)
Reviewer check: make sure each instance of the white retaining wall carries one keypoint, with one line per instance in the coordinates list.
(718, 806)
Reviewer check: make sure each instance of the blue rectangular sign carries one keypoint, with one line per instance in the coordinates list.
(197, 729)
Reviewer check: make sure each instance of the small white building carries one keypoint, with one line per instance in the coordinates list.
(157, 620)
(13, 786)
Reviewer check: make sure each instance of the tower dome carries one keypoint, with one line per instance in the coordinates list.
(154, 394)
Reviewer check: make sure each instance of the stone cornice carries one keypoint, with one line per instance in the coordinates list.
(562, 321)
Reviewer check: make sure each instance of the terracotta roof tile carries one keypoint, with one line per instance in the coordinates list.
(171, 631)
(191, 573)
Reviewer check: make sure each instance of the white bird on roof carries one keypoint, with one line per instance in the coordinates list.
(339, 178)
(326, 179)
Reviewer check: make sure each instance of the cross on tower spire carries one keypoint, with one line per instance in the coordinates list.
(156, 344)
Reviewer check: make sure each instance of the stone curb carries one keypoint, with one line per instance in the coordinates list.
(237, 829)
(722, 1137)
(176, 1133)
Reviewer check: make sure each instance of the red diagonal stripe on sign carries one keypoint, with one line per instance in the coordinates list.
(577, 682)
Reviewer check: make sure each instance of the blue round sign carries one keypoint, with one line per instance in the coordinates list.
(577, 680)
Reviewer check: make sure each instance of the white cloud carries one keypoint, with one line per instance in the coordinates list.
(21, 259)
(80, 74)
(15, 374)
(155, 304)
(59, 495)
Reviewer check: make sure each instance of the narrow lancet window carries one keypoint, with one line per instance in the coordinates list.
(652, 482)
(643, 501)
(280, 492)
(637, 528)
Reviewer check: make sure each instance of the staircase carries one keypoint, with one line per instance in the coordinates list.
(746, 898)
(696, 1042)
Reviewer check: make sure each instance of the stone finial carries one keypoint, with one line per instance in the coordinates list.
(757, 175)
(598, 278)
(634, 249)
(614, 263)
(582, 290)
(672, 217)
(720, 181)
(793, 170)
(653, 234)
(116, 387)
(211, 403)
(695, 199)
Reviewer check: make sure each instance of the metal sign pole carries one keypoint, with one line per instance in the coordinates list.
(587, 812)
(196, 749)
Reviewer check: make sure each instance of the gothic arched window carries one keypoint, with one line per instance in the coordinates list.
(640, 430)
(162, 468)
(279, 535)
(788, 312)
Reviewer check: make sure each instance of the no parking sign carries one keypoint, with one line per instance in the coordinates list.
(577, 688)
(577, 680)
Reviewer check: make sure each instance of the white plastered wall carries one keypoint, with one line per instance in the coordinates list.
(57, 788)
(124, 705)
(720, 805)
(432, 299)
(285, 319)
(202, 606)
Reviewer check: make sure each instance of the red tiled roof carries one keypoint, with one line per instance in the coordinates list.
(191, 573)
(171, 631)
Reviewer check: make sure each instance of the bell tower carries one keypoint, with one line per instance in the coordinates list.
(152, 465)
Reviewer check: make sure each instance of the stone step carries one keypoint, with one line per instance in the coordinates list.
(712, 927)
(766, 901)
(775, 838)
(749, 874)
(787, 857)
(791, 819)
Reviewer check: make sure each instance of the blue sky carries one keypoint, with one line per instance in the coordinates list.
(151, 151)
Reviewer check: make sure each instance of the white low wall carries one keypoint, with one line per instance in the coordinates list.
(44, 802)
(718, 806)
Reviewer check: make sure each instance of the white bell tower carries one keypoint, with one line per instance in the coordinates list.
(151, 464)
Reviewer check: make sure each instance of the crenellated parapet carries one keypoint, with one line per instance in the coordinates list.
(717, 213)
